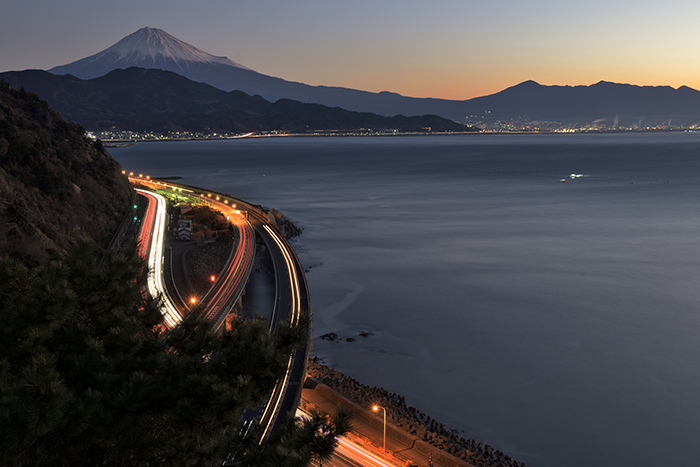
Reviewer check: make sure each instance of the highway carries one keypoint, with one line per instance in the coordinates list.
(292, 301)
(292, 296)
(229, 286)
(151, 248)
(349, 453)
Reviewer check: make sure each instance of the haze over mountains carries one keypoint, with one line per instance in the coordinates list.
(603, 101)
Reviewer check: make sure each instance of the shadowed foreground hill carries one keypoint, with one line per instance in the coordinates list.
(155, 100)
(55, 184)
(88, 376)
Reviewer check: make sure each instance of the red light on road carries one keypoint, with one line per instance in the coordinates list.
(213, 278)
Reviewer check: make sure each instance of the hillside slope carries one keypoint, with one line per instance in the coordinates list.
(55, 184)
(141, 99)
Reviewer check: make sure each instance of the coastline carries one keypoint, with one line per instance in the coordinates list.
(409, 419)
(405, 418)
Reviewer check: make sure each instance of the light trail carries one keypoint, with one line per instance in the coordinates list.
(350, 452)
(152, 233)
(230, 280)
(229, 285)
(295, 312)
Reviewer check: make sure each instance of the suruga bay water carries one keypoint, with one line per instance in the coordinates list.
(557, 321)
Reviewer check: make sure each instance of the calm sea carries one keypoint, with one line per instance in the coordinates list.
(556, 321)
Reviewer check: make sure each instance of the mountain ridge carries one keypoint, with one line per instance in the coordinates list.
(141, 99)
(628, 104)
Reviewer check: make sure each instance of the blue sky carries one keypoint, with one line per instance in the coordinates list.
(445, 48)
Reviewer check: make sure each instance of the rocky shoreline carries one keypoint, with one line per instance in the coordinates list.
(208, 259)
(410, 419)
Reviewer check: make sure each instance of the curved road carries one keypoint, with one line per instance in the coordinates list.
(292, 296)
(151, 248)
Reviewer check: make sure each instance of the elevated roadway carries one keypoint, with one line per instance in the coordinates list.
(292, 298)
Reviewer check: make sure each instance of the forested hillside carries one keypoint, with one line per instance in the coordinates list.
(55, 184)
(88, 373)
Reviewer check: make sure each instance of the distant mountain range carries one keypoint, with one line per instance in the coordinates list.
(604, 101)
(141, 99)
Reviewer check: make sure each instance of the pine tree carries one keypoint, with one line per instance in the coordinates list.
(88, 375)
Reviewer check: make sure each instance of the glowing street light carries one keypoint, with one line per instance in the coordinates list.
(376, 409)
(212, 278)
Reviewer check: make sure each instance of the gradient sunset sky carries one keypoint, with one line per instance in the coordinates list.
(453, 49)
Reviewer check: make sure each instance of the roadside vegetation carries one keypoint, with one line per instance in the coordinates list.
(89, 376)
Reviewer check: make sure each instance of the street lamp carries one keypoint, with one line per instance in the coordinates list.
(376, 408)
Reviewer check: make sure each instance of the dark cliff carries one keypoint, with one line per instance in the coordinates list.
(55, 184)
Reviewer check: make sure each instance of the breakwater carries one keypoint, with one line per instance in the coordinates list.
(410, 419)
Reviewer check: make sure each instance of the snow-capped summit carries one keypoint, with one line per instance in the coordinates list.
(155, 48)
(146, 48)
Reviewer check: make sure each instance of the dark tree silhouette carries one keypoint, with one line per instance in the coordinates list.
(88, 376)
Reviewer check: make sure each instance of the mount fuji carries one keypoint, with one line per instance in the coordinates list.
(156, 49)
(149, 48)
